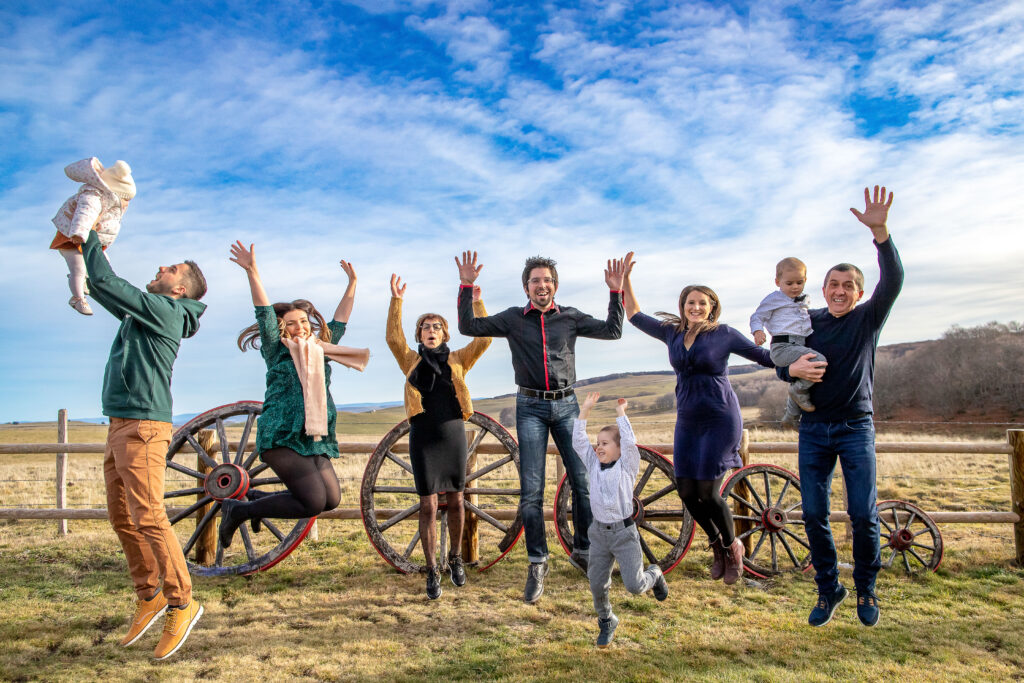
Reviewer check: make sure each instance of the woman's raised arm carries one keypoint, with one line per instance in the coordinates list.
(246, 258)
(348, 299)
(629, 296)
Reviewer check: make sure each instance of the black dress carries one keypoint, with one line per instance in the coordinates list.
(437, 438)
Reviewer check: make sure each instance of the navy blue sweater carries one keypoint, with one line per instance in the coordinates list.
(849, 344)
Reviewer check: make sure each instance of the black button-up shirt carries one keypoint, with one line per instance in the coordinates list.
(543, 345)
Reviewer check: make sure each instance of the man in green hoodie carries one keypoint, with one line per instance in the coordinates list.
(137, 399)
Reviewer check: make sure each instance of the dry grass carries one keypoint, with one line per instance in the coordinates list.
(333, 610)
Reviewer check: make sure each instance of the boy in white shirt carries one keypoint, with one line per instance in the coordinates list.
(784, 314)
(612, 468)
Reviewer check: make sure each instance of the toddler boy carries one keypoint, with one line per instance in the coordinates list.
(784, 314)
(612, 468)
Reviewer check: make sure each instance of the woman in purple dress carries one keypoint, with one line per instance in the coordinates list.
(708, 422)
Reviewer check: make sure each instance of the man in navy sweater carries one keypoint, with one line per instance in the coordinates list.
(841, 425)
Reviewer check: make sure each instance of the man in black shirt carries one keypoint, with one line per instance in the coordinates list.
(542, 338)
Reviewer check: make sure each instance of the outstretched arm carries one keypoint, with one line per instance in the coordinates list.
(632, 305)
(393, 333)
(876, 212)
(348, 299)
(588, 404)
(580, 442)
(246, 258)
(630, 453)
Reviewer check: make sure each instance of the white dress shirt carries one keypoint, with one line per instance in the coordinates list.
(611, 489)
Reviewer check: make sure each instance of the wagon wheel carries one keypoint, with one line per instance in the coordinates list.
(218, 469)
(390, 505)
(908, 532)
(665, 526)
(769, 503)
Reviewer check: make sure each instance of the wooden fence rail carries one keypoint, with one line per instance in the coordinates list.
(1013, 447)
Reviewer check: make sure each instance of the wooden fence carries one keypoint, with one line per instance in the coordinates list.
(1013, 447)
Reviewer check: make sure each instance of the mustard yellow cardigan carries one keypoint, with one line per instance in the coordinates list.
(460, 361)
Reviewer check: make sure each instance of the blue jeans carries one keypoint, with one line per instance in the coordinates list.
(535, 417)
(853, 443)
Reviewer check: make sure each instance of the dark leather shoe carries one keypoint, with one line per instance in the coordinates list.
(660, 587)
(718, 563)
(733, 562)
(535, 581)
(433, 583)
(456, 570)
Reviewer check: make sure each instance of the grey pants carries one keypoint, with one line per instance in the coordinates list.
(610, 543)
(785, 353)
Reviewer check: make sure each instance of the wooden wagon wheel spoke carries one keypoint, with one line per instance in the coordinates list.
(785, 487)
(486, 517)
(775, 552)
(412, 545)
(789, 551)
(178, 467)
(906, 564)
(675, 526)
(243, 441)
(925, 530)
(881, 519)
(748, 532)
(658, 494)
(398, 461)
(651, 557)
(797, 538)
(767, 487)
(657, 532)
(892, 556)
(642, 482)
(201, 452)
(903, 536)
(745, 503)
(230, 474)
(250, 552)
(225, 445)
(748, 518)
(190, 510)
(184, 492)
(490, 468)
(200, 528)
(757, 498)
(760, 542)
(471, 448)
(273, 529)
(396, 518)
(394, 489)
(917, 557)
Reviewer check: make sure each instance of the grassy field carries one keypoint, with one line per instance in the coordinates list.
(333, 610)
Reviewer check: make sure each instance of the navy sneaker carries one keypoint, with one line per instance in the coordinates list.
(604, 638)
(660, 587)
(867, 608)
(826, 607)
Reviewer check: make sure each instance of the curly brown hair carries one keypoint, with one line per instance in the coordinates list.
(249, 338)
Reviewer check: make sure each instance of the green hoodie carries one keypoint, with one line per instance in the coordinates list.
(137, 381)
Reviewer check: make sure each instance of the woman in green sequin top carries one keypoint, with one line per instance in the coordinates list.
(300, 461)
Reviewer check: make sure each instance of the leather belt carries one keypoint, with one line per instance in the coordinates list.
(780, 339)
(547, 395)
(626, 523)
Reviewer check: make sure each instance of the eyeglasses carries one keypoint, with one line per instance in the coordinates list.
(436, 327)
(541, 280)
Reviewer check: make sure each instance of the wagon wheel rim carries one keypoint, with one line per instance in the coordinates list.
(234, 472)
(910, 540)
(665, 526)
(769, 515)
(389, 504)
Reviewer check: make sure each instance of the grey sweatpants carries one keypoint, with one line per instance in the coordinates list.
(610, 543)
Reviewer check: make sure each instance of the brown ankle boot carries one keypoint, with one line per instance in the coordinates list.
(718, 563)
(733, 562)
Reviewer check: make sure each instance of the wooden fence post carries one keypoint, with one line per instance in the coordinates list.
(1016, 439)
(206, 544)
(471, 526)
(742, 525)
(62, 469)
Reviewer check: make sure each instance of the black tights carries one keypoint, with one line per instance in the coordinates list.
(707, 507)
(312, 487)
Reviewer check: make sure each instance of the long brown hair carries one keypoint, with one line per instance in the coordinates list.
(249, 338)
(680, 322)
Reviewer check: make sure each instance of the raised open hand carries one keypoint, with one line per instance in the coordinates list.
(876, 210)
(349, 269)
(615, 272)
(468, 269)
(588, 403)
(620, 407)
(397, 288)
(246, 258)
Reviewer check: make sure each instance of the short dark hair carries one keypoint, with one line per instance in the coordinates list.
(539, 262)
(858, 276)
(194, 281)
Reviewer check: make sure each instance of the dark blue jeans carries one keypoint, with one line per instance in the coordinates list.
(853, 443)
(535, 417)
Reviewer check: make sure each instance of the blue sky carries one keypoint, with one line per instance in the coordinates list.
(711, 138)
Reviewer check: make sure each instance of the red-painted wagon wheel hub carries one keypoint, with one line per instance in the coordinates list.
(227, 481)
(902, 540)
(773, 519)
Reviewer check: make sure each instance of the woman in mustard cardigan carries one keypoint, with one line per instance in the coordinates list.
(437, 403)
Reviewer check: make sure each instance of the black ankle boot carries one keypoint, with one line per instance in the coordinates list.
(229, 520)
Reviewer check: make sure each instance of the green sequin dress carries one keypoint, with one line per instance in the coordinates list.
(283, 422)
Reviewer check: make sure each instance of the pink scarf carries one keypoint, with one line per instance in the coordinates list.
(308, 356)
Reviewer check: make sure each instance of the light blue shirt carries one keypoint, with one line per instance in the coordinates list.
(779, 314)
